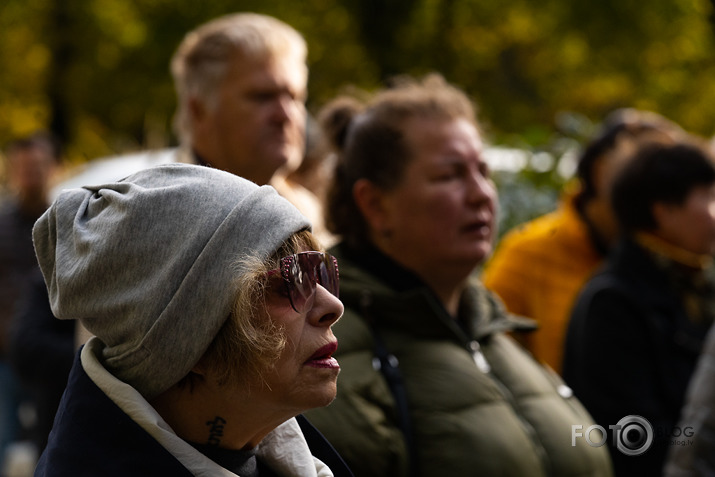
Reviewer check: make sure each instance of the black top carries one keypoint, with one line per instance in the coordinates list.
(372, 260)
(631, 349)
(17, 261)
(240, 462)
(92, 436)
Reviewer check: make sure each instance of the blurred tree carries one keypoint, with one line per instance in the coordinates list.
(24, 59)
(382, 26)
(97, 71)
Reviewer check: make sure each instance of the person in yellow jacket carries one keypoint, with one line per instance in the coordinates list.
(539, 267)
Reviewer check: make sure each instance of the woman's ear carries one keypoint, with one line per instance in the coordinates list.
(372, 202)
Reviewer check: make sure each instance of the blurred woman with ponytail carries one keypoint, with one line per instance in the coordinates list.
(431, 384)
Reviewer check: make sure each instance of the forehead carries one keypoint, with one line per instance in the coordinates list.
(288, 71)
(430, 136)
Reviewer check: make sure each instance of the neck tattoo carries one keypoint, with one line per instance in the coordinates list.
(215, 430)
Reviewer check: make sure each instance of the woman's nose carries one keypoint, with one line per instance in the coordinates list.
(480, 188)
(327, 308)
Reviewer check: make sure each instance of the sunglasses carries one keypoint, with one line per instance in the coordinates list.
(302, 272)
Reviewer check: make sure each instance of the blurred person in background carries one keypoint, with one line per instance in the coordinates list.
(31, 164)
(430, 382)
(316, 169)
(41, 351)
(241, 82)
(538, 268)
(693, 454)
(638, 326)
(317, 166)
(211, 307)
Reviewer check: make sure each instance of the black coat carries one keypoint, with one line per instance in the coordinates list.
(631, 350)
(42, 350)
(93, 437)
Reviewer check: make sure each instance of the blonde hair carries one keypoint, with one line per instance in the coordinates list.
(250, 343)
(206, 53)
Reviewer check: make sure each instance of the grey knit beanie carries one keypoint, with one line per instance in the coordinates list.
(148, 264)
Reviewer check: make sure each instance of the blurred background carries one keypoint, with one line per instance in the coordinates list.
(542, 72)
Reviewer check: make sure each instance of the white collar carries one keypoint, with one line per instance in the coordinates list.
(284, 449)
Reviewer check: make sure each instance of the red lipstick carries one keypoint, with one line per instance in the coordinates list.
(323, 357)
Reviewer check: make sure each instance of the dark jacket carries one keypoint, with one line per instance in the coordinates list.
(42, 351)
(93, 437)
(17, 262)
(631, 350)
(694, 452)
(476, 402)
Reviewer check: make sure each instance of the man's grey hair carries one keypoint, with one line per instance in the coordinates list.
(206, 53)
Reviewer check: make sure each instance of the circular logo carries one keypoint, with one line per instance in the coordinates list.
(634, 435)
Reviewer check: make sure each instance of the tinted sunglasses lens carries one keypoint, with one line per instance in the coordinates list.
(328, 276)
(301, 289)
(306, 270)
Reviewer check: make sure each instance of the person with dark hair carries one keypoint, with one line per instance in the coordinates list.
(539, 267)
(211, 309)
(639, 324)
(31, 164)
(431, 384)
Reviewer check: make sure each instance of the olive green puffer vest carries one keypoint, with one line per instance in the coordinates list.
(477, 403)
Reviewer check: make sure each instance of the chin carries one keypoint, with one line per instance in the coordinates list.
(478, 254)
(291, 160)
(322, 397)
(329, 398)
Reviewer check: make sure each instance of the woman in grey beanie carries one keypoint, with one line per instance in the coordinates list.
(211, 312)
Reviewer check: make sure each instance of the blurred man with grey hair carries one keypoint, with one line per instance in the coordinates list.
(241, 83)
